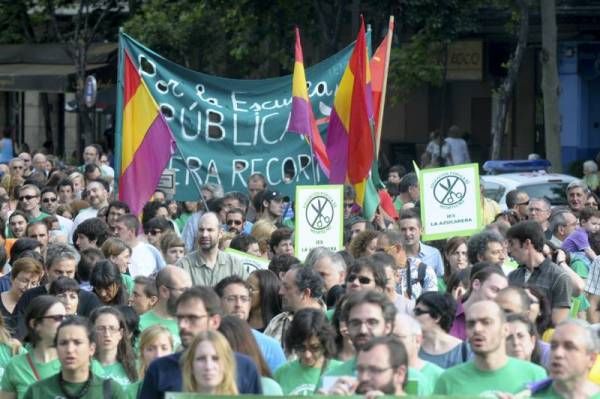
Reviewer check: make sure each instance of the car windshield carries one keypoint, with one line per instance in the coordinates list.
(552, 191)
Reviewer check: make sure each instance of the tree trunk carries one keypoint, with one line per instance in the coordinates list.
(550, 84)
(505, 91)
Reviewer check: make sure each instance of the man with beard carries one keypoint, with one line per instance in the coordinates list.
(170, 283)
(381, 369)
(301, 287)
(97, 196)
(367, 314)
(491, 371)
(197, 310)
(208, 265)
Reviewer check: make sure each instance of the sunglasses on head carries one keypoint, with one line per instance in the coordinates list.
(361, 279)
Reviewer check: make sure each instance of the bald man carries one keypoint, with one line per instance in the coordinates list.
(171, 281)
(491, 371)
(208, 265)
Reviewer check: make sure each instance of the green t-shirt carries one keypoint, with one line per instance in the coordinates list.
(580, 268)
(431, 372)
(466, 379)
(441, 285)
(418, 384)
(270, 387)
(50, 388)
(150, 319)
(5, 357)
(296, 379)
(128, 282)
(132, 390)
(116, 371)
(18, 375)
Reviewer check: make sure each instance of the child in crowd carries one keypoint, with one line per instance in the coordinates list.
(578, 240)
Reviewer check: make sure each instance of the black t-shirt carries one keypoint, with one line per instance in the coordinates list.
(88, 301)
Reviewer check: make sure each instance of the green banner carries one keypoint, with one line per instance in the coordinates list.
(228, 129)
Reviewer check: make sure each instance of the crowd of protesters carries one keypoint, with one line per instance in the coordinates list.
(99, 303)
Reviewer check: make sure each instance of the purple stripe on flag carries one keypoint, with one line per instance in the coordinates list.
(140, 179)
(337, 149)
(300, 119)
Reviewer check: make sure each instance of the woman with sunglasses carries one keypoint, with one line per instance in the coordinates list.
(113, 348)
(366, 274)
(435, 312)
(77, 376)
(42, 317)
(311, 338)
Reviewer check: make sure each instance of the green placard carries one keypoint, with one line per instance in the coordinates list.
(450, 201)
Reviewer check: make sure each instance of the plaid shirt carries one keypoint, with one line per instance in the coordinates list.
(549, 278)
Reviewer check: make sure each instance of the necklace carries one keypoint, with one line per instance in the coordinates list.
(82, 391)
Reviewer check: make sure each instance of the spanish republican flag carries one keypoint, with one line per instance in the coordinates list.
(302, 119)
(147, 141)
(350, 131)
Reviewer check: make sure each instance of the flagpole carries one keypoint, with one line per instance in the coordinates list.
(384, 90)
(315, 162)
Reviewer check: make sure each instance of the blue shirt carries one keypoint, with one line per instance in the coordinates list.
(5, 282)
(270, 349)
(431, 257)
(164, 375)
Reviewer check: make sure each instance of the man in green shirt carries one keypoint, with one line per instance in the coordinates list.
(367, 314)
(208, 265)
(170, 283)
(491, 371)
(422, 372)
(573, 353)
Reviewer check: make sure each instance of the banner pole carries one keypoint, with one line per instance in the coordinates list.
(384, 89)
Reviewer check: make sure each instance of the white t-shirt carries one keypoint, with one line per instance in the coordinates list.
(458, 150)
(145, 260)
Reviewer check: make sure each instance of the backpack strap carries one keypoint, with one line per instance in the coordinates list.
(422, 271)
(106, 389)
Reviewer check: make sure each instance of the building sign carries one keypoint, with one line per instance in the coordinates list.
(465, 60)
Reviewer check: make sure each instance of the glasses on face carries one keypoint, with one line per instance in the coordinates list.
(236, 298)
(56, 317)
(107, 329)
(234, 222)
(524, 203)
(361, 279)
(371, 370)
(356, 324)
(421, 311)
(190, 318)
(27, 197)
(314, 349)
(49, 199)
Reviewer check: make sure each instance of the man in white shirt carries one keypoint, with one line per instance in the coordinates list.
(458, 152)
(145, 259)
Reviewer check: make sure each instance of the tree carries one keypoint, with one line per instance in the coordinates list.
(550, 83)
(505, 90)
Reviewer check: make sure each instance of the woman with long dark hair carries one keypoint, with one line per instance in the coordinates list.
(113, 348)
(76, 377)
(266, 301)
(42, 317)
(108, 284)
(455, 259)
(523, 341)
(311, 338)
(242, 340)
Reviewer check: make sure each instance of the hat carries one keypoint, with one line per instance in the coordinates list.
(271, 195)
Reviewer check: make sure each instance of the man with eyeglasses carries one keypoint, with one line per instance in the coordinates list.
(170, 283)
(235, 301)
(29, 202)
(492, 371)
(301, 287)
(61, 261)
(367, 314)
(381, 369)
(49, 205)
(518, 201)
(236, 222)
(198, 309)
(155, 228)
(539, 210)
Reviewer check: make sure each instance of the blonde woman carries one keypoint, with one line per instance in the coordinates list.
(155, 342)
(262, 230)
(208, 365)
